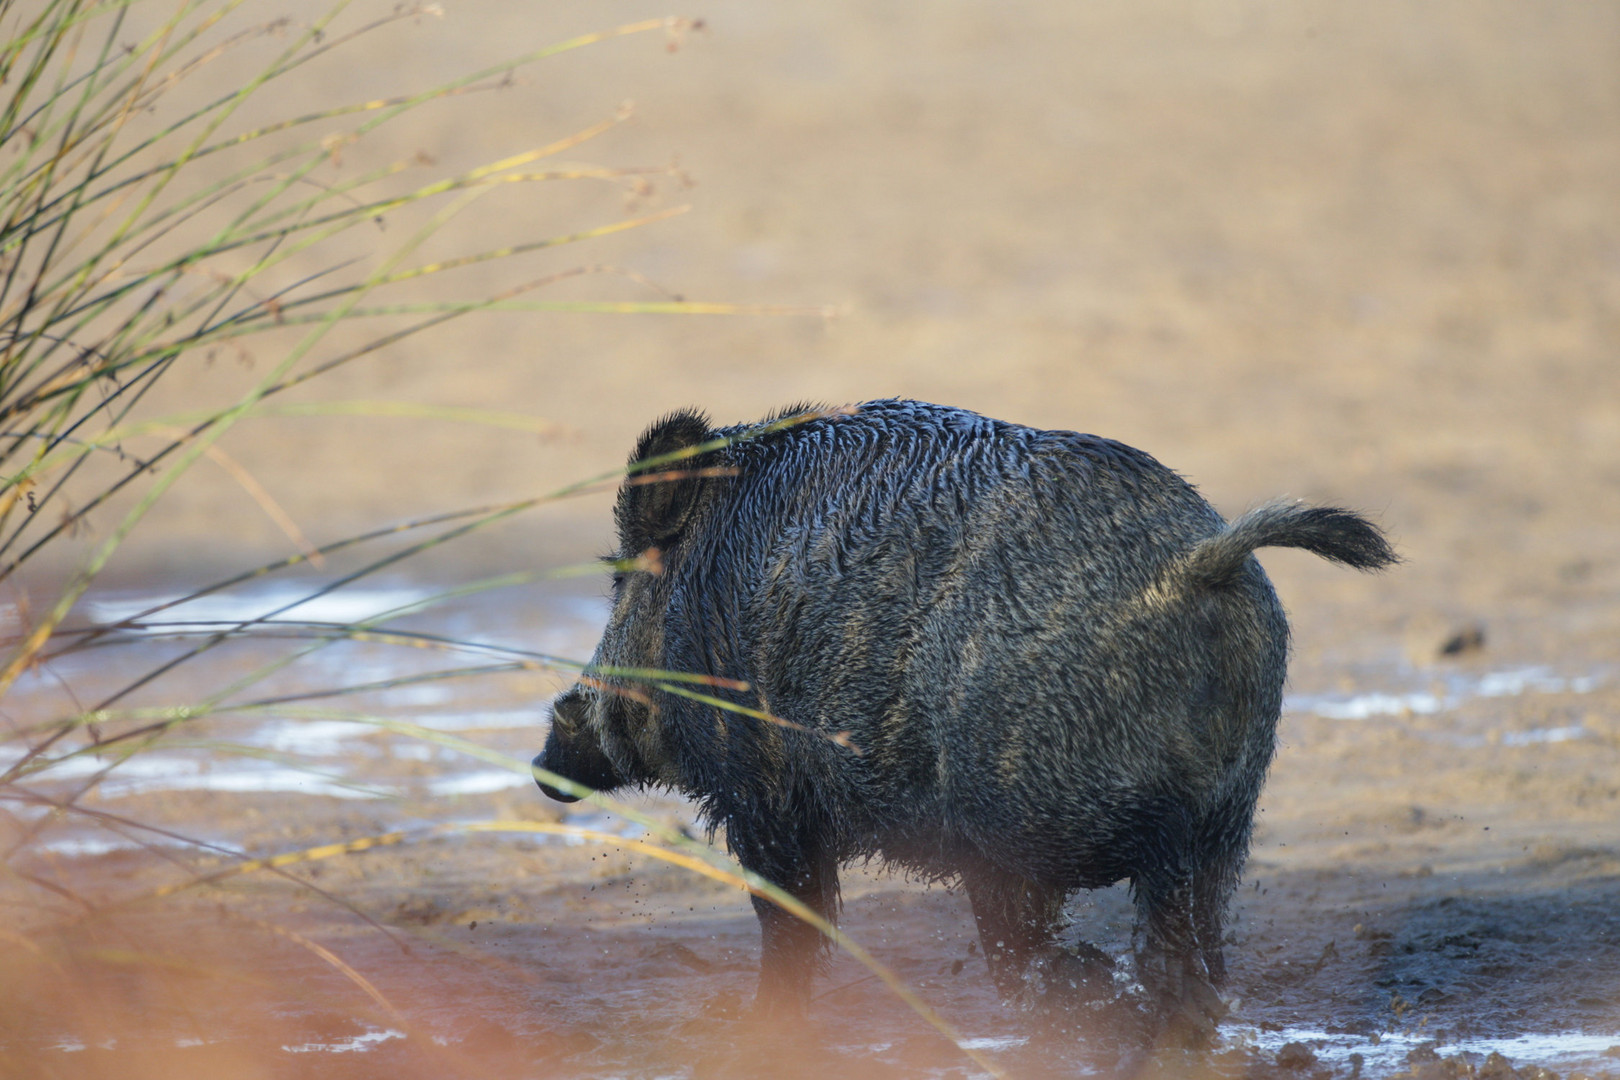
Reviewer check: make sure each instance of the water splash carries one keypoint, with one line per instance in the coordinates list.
(1385, 1054)
(355, 1044)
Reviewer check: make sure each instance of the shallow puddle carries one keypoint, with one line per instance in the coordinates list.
(563, 957)
(1454, 689)
(1598, 1055)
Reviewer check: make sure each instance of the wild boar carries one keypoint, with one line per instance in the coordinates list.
(1032, 661)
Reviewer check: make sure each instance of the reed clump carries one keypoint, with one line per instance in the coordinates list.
(152, 220)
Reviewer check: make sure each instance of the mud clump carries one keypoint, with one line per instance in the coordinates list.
(1426, 1063)
(1467, 639)
(1296, 1057)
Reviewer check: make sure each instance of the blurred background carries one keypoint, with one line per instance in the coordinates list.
(1362, 253)
(1367, 253)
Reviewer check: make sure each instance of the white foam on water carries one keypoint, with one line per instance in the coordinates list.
(1458, 689)
(482, 782)
(250, 781)
(1524, 680)
(599, 821)
(994, 1042)
(355, 1044)
(136, 767)
(155, 771)
(148, 772)
(311, 738)
(867, 1048)
(1388, 1054)
(1543, 735)
(499, 718)
(335, 738)
(84, 847)
(79, 843)
(1365, 706)
(1530, 737)
(419, 694)
(338, 739)
(339, 606)
(71, 1045)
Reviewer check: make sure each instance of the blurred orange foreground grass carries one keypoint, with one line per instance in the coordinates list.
(145, 227)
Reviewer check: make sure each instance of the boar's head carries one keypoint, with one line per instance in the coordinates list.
(605, 729)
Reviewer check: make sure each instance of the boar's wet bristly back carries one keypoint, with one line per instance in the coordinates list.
(1329, 531)
(653, 510)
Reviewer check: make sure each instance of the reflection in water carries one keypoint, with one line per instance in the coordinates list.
(1457, 690)
(300, 751)
(277, 603)
(482, 782)
(199, 771)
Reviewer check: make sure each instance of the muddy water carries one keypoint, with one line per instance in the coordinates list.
(1435, 877)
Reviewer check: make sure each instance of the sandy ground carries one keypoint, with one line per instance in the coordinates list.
(1368, 254)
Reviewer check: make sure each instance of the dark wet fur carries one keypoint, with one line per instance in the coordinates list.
(1051, 664)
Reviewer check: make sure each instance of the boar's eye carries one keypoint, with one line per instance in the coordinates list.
(619, 578)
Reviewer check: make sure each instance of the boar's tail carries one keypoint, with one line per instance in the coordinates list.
(1330, 531)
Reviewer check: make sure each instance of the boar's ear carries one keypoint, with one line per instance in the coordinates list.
(652, 510)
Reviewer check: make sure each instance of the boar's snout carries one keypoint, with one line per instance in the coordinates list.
(573, 751)
(540, 762)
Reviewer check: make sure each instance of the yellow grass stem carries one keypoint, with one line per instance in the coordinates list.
(290, 858)
(594, 307)
(259, 494)
(71, 381)
(343, 968)
(536, 245)
(22, 656)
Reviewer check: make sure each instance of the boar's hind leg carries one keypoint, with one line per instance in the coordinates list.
(1014, 915)
(1212, 891)
(1172, 909)
(790, 947)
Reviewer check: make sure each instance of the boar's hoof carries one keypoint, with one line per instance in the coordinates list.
(1188, 1016)
(1066, 979)
(1075, 998)
(775, 1002)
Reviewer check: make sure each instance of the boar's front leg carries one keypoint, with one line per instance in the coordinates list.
(1014, 915)
(790, 948)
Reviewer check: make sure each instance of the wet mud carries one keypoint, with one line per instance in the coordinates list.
(1429, 887)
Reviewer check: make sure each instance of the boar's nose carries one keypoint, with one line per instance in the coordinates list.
(539, 762)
